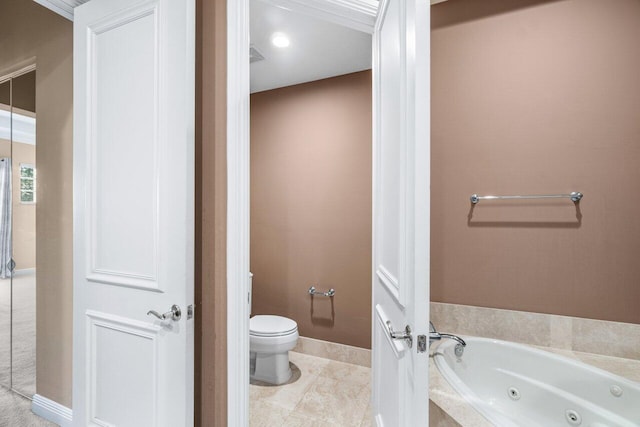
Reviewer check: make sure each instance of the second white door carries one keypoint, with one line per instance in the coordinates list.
(401, 213)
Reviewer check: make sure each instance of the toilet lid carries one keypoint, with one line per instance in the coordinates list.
(271, 326)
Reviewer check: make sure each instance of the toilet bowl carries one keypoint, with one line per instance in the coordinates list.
(270, 339)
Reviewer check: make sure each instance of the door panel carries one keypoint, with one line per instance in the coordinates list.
(115, 343)
(123, 144)
(390, 161)
(401, 212)
(134, 212)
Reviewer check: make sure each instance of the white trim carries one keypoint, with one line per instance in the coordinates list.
(23, 128)
(61, 7)
(355, 14)
(51, 411)
(23, 67)
(25, 113)
(26, 129)
(24, 272)
(238, 273)
(390, 282)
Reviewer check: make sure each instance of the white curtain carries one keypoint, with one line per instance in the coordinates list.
(5, 218)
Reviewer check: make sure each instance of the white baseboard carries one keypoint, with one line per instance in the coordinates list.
(52, 411)
(24, 272)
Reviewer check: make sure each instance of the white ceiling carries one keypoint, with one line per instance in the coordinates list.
(318, 49)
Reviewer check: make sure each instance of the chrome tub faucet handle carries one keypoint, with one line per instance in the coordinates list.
(434, 335)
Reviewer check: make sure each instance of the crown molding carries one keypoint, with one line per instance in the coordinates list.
(61, 7)
(356, 14)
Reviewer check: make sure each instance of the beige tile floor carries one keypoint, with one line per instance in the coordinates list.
(320, 393)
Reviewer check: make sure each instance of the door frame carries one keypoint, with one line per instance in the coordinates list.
(356, 14)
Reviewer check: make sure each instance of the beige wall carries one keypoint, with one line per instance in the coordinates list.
(24, 215)
(537, 97)
(5, 147)
(28, 30)
(311, 206)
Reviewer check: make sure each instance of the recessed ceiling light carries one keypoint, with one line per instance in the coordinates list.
(280, 40)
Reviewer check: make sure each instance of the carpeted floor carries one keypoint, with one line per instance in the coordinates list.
(5, 332)
(16, 411)
(22, 376)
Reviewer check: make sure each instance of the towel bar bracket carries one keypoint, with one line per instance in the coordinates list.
(313, 292)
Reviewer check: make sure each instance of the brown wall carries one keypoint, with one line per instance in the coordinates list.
(211, 206)
(24, 92)
(311, 206)
(533, 97)
(28, 30)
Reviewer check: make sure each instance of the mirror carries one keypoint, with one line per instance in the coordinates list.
(18, 232)
(23, 230)
(5, 279)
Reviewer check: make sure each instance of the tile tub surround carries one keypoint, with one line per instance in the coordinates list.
(322, 392)
(439, 418)
(449, 403)
(334, 351)
(611, 346)
(546, 330)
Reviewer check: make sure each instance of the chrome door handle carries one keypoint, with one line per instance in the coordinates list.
(400, 335)
(174, 314)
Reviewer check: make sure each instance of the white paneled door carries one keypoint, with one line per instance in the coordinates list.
(401, 213)
(133, 213)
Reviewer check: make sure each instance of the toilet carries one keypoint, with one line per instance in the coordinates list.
(270, 339)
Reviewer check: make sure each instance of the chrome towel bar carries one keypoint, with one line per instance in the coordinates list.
(312, 291)
(575, 197)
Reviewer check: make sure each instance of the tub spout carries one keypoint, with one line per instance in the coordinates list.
(434, 335)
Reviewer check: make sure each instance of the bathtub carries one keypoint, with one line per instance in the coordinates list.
(513, 385)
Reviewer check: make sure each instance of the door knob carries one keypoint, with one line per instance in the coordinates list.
(174, 314)
(400, 335)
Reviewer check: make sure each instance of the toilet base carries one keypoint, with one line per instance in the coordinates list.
(272, 368)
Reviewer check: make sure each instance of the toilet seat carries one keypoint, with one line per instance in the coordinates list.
(271, 326)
